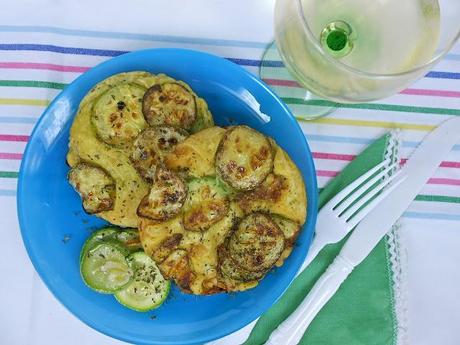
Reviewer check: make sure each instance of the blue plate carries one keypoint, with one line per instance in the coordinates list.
(54, 225)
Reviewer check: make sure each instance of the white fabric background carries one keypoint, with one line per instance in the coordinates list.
(29, 314)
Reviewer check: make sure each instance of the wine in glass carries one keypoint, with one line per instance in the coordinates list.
(351, 51)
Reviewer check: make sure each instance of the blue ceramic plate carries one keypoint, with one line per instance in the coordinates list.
(54, 225)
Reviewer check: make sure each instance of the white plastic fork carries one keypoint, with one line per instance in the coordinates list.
(345, 210)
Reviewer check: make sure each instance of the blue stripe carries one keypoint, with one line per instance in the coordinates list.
(443, 75)
(7, 192)
(14, 119)
(337, 139)
(453, 57)
(359, 141)
(425, 215)
(132, 36)
(112, 53)
(63, 50)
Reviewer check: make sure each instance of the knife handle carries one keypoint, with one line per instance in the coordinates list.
(291, 331)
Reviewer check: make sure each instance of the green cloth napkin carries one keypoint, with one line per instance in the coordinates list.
(361, 312)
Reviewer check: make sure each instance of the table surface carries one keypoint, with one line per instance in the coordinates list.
(54, 41)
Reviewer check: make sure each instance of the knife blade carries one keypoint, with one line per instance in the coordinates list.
(419, 168)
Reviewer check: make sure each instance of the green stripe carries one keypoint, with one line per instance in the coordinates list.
(438, 198)
(9, 174)
(432, 198)
(375, 106)
(33, 83)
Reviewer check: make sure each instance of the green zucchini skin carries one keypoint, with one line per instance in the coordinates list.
(206, 204)
(104, 268)
(148, 289)
(152, 145)
(117, 114)
(257, 243)
(171, 104)
(244, 158)
(95, 187)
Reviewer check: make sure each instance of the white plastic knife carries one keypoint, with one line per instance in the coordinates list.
(421, 165)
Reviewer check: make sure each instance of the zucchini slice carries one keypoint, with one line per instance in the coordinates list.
(206, 204)
(152, 145)
(148, 289)
(95, 186)
(244, 158)
(96, 238)
(230, 269)
(117, 114)
(169, 104)
(129, 238)
(166, 196)
(105, 269)
(257, 243)
(126, 240)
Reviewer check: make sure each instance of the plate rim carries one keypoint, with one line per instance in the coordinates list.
(312, 201)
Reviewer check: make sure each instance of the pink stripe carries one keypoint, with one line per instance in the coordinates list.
(333, 156)
(282, 82)
(9, 137)
(326, 173)
(8, 155)
(349, 158)
(416, 92)
(446, 164)
(434, 180)
(43, 66)
(426, 92)
(445, 181)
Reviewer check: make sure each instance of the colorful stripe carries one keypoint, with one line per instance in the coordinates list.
(133, 36)
(113, 53)
(374, 106)
(8, 174)
(33, 83)
(9, 155)
(366, 123)
(24, 101)
(426, 215)
(43, 66)
(12, 137)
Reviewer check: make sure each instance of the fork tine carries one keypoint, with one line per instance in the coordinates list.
(352, 210)
(348, 189)
(362, 190)
(362, 213)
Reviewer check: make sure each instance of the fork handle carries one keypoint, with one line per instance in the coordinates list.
(291, 331)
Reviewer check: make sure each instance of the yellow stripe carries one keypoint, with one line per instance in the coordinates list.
(366, 123)
(24, 101)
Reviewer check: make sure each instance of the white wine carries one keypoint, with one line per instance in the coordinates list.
(369, 36)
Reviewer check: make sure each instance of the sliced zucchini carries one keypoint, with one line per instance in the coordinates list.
(95, 186)
(126, 240)
(104, 268)
(244, 158)
(203, 117)
(169, 104)
(117, 114)
(130, 239)
(96, 238)
(148, 289)
(206, 204)
(230, 269)
(152, 145)
(166, 247)
(289, 228)
(166, 196)
(257, 243)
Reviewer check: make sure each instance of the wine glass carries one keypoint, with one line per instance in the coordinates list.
(352, 51)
